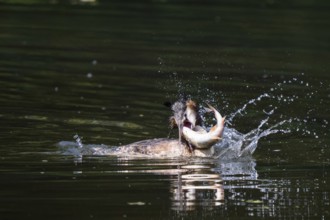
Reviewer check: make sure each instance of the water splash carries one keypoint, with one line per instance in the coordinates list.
(78, 140)
(242, 109)
(236, 144)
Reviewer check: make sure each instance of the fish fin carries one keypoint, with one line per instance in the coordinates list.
(224, 119)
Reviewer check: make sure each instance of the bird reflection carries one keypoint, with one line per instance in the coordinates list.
(199, 186)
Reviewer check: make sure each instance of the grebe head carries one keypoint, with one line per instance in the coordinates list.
(177, 119)
(185, 114)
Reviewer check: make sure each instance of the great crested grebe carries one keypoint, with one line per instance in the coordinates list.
(192, 140)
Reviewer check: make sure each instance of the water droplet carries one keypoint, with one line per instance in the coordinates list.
(78, 140)
(89, 75)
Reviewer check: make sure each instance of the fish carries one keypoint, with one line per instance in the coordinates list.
(201, 139)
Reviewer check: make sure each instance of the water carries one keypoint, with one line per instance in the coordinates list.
(96, 76)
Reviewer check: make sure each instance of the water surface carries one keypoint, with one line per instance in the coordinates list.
(103, 71)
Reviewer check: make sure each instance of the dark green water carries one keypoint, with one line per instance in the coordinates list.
(104, 70)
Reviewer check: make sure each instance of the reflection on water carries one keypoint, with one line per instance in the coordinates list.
(198, 186)
(213, 187)
(196, 182)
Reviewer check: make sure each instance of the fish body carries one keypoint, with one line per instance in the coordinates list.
(201, 139)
